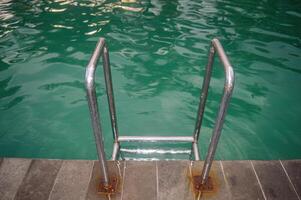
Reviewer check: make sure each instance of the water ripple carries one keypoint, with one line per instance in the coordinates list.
(158, 51)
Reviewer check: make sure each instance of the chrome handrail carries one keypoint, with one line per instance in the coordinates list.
(101, 49)
(228, 88)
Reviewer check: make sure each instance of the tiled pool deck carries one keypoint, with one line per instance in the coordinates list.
(148, 180)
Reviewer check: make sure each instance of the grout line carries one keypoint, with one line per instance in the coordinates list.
(90, 178)
(258, 180)
(1, 160)
(289, 179)
(119, 170)
(123, 178)
(199, 195)
(157, 179)
(190, 168)
(23, 178)
(224, 175)
(55, 180)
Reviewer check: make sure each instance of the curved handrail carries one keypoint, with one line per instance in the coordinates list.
(228, 88)
(229, 72)
(101, 49)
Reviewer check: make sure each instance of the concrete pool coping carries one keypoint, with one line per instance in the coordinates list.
(38, 179)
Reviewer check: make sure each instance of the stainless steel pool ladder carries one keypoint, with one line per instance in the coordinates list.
(102, 50)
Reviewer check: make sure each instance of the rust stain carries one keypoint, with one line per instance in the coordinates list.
(201, 191)
(207, 187)
(112, 189)
(108, 189)
(115, 183)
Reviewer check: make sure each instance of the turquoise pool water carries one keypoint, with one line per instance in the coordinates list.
(158, 56)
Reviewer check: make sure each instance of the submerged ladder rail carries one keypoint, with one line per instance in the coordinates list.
(102, 50)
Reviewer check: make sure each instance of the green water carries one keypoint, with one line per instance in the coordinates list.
(158, 57)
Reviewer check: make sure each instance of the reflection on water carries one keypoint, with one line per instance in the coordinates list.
(158, 53)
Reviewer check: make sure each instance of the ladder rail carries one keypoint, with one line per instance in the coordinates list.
(215, 47)
(101, 49)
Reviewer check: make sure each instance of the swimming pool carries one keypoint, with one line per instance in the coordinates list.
(158, 56)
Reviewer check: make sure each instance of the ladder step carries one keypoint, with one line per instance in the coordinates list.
(155, 151)
(155, 138)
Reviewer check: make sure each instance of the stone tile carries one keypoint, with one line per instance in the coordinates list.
(116, 169)
(173, 180)
(12, 172)
(72, 180)
(221, 187)
(274, 181)
(293, 169)
(242, 180)
(76, 180)
(39, 180)
(140, 181)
